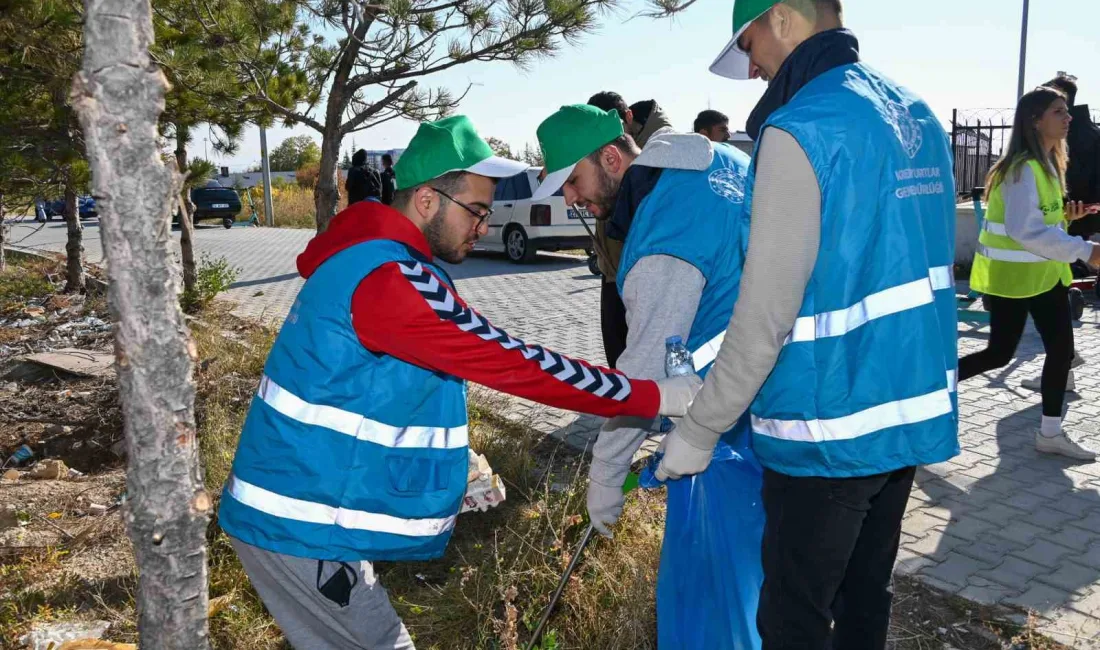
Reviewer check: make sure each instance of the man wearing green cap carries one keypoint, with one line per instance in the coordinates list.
(679, 202)
(355, 446)
(842, 347)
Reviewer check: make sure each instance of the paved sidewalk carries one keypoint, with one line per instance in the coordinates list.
(999, 524)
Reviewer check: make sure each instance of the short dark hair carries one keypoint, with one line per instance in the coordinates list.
(386, 158)
(609, 101)
(1067, 86)
(359, 158)
(623, 143)
(452, 183)
(709, 118)
(810, 8)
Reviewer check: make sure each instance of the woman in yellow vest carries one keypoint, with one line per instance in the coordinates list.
(1022, 263)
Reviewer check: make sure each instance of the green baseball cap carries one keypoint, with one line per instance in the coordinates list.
(449, 145)
(733, 62)
(569, 135)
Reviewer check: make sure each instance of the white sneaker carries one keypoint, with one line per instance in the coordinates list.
(1036, 383)
(1063, 446)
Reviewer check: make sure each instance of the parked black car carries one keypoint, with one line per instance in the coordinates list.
(216, 202)
(85, 205)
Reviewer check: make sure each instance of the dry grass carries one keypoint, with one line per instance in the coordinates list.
(293, 205)
(24, 278)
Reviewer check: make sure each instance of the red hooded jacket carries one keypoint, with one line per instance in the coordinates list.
(411, 330)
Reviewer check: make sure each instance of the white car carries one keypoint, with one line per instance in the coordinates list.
(520, 227)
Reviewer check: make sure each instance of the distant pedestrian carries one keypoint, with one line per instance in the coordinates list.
(389, 179)
(1022, 263)
(1083, 144)
(714, 125)
(363, 182)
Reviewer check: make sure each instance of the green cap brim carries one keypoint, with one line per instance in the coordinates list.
(552, 183)
(733, 62)
(497, 167)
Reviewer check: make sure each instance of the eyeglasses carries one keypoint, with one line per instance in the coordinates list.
(482, 214)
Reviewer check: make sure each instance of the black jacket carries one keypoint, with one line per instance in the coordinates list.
(389, 185)
(363, 182)
(1083, 174)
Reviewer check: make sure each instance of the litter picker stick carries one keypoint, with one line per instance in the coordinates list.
(561, 586)
(628, 487)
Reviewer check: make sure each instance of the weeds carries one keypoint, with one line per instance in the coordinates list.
(23, 279)
(212, 277)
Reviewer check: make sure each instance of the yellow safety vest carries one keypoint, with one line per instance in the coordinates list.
(1002, 267)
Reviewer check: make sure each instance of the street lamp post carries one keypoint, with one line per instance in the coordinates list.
(1023, 52)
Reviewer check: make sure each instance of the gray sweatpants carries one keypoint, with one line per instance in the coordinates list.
(310, 620)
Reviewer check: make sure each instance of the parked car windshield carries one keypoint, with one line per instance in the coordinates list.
(213, 194)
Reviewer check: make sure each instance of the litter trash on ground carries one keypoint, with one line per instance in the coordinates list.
(25, 322)
(12, 475)
(23, 454)
(96, 644)
(484, 489)
(97, 509)
(82, 363)
(89, 323)
(75, 473)
(50, 470)
(50, 636)
(34, 311)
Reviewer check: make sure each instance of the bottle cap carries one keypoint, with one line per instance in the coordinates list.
(674, 340)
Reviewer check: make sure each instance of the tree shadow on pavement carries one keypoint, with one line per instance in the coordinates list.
(1002, 524)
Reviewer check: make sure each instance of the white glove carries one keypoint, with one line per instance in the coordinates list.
(677, 394)
(605, 505)
(682, 458)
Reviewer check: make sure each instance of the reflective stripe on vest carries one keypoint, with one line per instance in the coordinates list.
(286, 507)
(358, 426)
(1005, 255)
(838, 323)
(884, 416)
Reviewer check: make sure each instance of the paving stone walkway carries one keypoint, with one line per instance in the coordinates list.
(998, 524)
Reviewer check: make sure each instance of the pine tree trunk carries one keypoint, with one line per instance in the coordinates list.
(326, 195)
(74, 245)
(187, 224)
(3, 236)
(119, 95)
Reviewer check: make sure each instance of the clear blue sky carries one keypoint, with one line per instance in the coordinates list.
(955, 53)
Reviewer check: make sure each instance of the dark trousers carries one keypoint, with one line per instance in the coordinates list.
(1007, 318)
(828, 553)
(612, 322)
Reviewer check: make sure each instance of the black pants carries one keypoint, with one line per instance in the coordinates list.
(828, 553)
(1007, 318)
(612, 322)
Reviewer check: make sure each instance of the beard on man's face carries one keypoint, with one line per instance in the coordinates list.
(608, 193)
(446, 244)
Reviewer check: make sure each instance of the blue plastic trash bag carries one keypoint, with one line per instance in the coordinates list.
(708, 584)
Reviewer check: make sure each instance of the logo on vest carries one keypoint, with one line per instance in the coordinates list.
(728, 184)
(906, 128)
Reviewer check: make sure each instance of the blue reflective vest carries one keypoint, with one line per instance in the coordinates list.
(347, 454)
(866, 381)
(696, 216)
(710, 575)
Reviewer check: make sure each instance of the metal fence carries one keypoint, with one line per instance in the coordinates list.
(978, 138)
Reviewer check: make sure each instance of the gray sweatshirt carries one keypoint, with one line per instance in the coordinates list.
(661, 294)
(784, 236)
(1024, 221)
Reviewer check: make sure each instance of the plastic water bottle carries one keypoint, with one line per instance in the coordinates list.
(678, 361)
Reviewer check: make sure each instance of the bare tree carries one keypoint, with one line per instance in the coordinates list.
(371, 74)
(119, 96)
